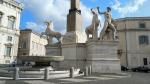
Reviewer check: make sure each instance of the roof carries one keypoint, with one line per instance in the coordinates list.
(30, 30)
(133, 18)
(14, 3)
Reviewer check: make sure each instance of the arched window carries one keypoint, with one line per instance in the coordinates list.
(143, 40)
(11, 22)
(1, 15)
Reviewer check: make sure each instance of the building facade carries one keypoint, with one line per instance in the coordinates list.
(31, 44)
(10, 12)
(134, 41)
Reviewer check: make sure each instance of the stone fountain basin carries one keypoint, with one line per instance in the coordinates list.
(37, 73)
(41, 58)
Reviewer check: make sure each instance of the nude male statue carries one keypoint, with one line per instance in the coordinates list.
(107, 24)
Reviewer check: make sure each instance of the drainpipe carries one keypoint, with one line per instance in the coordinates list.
(126, 43)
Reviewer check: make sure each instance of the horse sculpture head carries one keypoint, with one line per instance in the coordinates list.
(94, 11)
(49, 25)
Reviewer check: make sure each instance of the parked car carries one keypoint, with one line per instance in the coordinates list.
(140, 69)
(123, 68)
(13, 64)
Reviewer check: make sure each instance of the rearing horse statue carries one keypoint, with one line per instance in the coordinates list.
(51, 34)
(93, 28)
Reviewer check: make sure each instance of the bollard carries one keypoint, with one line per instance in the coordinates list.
(90, 70)
(46, 73)
(16, 73)
(86, 71)
(72, 72)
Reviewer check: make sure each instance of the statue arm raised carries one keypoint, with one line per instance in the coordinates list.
(99, 11)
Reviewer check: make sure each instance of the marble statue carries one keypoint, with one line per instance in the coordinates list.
(51, 34)
(109, 29)
(93, 28)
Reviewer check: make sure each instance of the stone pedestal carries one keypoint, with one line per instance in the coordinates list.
(16, 73)
(74, 37)
(102, 56)
(53, 50)
(74, 55)
(72, 72)
(46, 73)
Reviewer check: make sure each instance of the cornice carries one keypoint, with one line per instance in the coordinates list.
(123, 30)
(133, 19)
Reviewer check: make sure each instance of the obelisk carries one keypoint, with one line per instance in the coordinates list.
(74, 21)
(74, 32)
(73, 43)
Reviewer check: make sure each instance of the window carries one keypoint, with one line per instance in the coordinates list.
(11, 22)
(33, 45)
(8, 51)
(7, 61)
(1, 15)
(143, 40)
(1, 1)
(142, 25)
(36, 45)
(145, 61)
(24, 54)
(24, 45)
(9, 38)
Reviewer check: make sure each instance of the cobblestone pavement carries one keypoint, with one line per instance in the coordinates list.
(131, 78)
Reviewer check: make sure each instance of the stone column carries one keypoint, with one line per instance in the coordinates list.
(90, 70)
(75, 4)
(86, 71)
(16, 73)
(74, 18)
(72, 72)
(46, 73)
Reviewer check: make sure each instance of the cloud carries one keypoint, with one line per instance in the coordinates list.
(34, 26)
(55, 10)
(130, 7)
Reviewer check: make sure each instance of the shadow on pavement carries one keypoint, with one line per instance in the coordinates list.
(14, 82)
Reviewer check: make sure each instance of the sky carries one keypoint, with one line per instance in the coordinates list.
(35, 12)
